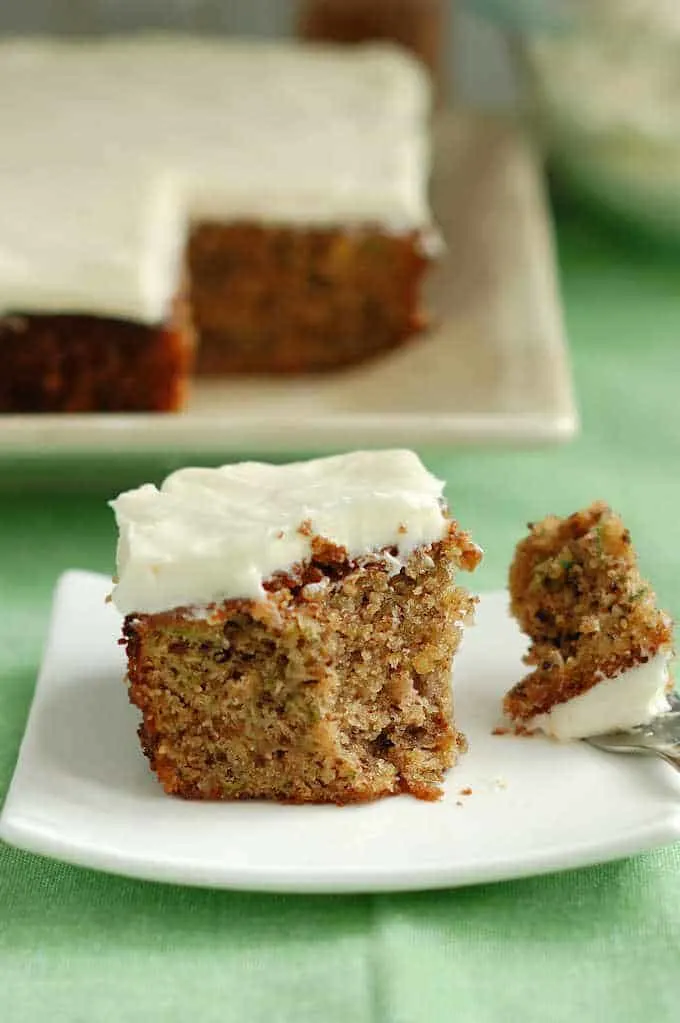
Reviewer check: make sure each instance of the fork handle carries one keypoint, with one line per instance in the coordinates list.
(672, 758)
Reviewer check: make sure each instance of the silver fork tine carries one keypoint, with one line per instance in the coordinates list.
(661, 737)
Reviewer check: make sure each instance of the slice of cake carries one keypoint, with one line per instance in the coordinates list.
(276, 192)
(600, 646)
(290, 628)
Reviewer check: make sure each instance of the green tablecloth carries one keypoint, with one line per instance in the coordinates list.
(598, 944)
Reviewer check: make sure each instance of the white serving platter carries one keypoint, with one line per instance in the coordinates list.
(493, 368)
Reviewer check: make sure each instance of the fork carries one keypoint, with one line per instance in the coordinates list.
(660, 737)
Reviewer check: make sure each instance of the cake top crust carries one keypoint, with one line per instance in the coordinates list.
(113, 147)
(209, 535)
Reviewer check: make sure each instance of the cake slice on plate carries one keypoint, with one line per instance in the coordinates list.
(290, 629)
(600, 646)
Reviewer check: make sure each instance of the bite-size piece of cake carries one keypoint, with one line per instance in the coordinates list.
(600, 646)
(290, 629)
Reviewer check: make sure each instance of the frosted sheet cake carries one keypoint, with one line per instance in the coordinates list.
(270, 197)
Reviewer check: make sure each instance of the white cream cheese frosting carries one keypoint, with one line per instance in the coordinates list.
(632, 698)
(111, 149)
(213, 534)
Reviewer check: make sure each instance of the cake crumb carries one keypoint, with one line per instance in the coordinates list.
(305, 528)
(501, 730)
(402, 528)
(467, 791)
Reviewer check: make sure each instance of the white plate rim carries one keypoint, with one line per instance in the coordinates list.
(321, 882)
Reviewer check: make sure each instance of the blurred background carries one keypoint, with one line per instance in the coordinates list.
(476, 59)
(599, 79)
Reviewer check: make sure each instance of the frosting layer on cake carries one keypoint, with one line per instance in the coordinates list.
(112, 148)
(631, 698)
(212, 534)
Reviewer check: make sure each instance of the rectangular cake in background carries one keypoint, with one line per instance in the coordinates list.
(280, 189)
(290, 629)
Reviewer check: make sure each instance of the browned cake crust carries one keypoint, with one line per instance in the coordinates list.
(337, 688)
(577, 593)
(271, 299)
(79, 363)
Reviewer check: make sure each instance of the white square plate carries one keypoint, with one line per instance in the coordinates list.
(82, 790)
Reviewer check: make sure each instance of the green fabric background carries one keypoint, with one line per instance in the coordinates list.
(597, 944)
